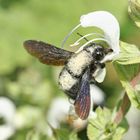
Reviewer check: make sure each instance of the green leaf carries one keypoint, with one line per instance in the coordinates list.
(102, 127)
(128, 69)
(126, 73)
(73, 136)
(134, 11)
(64, 134)
(121, 129)
(129, 54)
(2, 120)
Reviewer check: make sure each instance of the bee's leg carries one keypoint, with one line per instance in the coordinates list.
(93, 81)
(100, 65)
(93, 68)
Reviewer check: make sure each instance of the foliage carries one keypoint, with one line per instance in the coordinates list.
(128, 67)
(103, 128)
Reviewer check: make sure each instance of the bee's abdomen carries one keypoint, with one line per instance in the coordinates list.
(70, 75)
(69, 83)
(67, 80)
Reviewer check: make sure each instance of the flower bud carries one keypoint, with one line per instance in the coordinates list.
(134, 11)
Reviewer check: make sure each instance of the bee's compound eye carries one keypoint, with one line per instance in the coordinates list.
(99, 53)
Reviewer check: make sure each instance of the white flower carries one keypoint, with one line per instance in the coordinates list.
(7, 113)
(107, 23)
(97, 98)
(97, 95)
(61, 110)
(57, 113)
(110, 26)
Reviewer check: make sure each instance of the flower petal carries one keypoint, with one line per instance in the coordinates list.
(108, 23)
(7, 110)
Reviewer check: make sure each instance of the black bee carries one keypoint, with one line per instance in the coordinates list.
(78, 70)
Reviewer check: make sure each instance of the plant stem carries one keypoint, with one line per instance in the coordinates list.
(125, 105)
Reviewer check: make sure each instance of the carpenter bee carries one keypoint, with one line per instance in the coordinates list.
(79, 68)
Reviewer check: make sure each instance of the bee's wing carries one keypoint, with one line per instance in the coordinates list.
(82, 102)
(46, 53)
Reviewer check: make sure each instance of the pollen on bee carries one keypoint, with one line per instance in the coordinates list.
(66, 80)
(78, 62)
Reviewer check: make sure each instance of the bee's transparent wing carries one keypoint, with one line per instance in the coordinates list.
(47, 53)
(82, 102)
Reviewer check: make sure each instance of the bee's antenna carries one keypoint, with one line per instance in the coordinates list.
(83, 37)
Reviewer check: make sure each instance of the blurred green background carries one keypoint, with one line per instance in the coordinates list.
(28, 83)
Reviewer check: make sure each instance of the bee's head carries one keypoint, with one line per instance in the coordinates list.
(100, 52)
